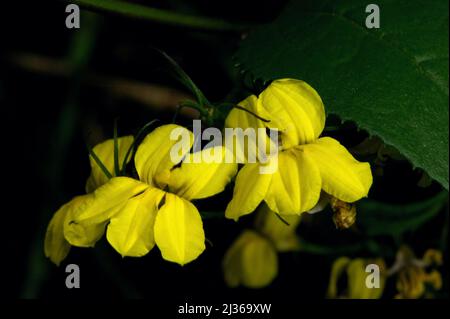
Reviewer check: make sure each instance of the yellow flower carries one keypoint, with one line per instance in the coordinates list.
(306, 163)
(252, 260)
(157, 208)
(355, 270)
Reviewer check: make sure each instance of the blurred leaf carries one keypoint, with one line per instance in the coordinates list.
(138, 11)
(324, 249)
(376, 218)
(392, 81)
(369, 245)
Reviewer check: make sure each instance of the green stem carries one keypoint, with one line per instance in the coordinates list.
(159, 16)
(100, 163)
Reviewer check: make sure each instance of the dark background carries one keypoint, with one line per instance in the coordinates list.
(52, 105)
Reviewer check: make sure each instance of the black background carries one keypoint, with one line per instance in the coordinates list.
(39, 173)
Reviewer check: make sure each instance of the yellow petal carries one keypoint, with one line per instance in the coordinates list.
(243, 119)
(260, 263)
(200, 180)
(153, 156)
(251, 261)
(342, 175)
(56, 246)
(96, 208)
(249, 191)
(105, 152)
(434, 278)
(283, 236)
(410, 282)
(295, 187)
(246, 144)
(130, 231)
(433, 257)
(232, 265)
(338, 268)
(179, 230)
(357, 287)
(296, 109)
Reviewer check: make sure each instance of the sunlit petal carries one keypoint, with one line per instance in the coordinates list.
(342, 175)
(243, 119)
(56, 246)
(96, 208)
(154, 157)
(249, 191)
(200, 180)
(179, 230)
(242, 136)
(130, 231)
(105, 153)
(295, 187)
(296, 109)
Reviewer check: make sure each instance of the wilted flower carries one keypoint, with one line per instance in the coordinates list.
(414, 277)
(354, 270)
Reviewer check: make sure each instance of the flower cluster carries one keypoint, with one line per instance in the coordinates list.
(306, 163)
(138, 213)
(154, 206)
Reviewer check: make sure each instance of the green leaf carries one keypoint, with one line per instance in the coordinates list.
(376, 218)
(392, 81)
